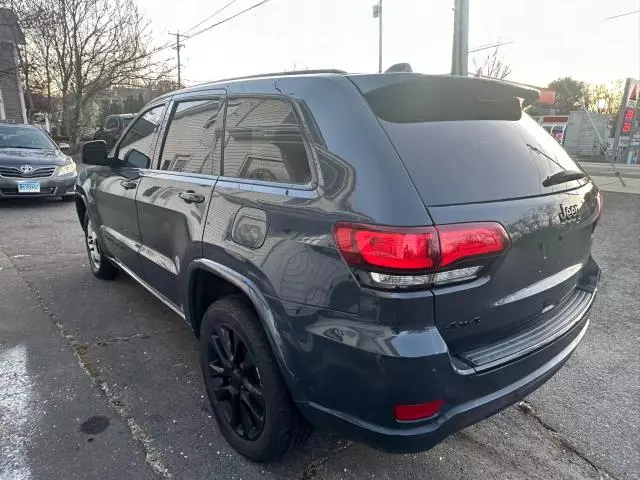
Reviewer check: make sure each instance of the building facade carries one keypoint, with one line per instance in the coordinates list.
(12, 105)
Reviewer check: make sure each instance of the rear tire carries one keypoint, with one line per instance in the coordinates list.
(248, 395)
(100, 265)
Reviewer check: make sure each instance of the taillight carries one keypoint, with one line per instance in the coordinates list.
(395, 257)
(385, 247)
(462, 241)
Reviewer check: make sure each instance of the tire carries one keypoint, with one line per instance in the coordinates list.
(100, 265)
(231, 329)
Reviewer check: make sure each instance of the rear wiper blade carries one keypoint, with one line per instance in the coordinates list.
(563, 176)
(560, 177)
(537, 150)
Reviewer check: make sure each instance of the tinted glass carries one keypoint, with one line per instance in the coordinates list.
(25, 138)
(193, 138)
(263, 142)
(465, 146)
(142, 134)
(112, 123)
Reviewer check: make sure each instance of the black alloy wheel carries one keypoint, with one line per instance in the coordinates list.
(236, 382)
(249, 397)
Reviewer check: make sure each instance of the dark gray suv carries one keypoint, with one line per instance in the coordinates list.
(392, 256)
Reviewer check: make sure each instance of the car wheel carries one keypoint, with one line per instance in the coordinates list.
(100, 265)
(247, 392)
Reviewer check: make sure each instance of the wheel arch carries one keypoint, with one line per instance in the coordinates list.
(81, 206)
(256, 300)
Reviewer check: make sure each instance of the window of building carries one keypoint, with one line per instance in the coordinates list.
(193, 138)
(141, 136)
(263, 142)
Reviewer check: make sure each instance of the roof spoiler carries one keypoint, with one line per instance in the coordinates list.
(526, 92)
(490, 86)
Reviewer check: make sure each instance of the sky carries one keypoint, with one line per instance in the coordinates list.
(551, 38)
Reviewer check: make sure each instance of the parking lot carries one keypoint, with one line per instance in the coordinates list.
(99, 380)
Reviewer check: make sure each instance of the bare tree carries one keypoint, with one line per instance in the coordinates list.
(81, 48)
(492, 65)
(605, 99)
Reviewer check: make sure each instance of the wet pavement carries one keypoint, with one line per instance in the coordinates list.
(99, 380)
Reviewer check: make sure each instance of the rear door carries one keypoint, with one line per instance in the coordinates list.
(475, 157)
(173, 198)
(116, 188)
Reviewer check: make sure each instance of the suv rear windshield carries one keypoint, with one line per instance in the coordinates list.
(465, 140)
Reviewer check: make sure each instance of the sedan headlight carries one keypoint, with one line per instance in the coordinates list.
(67, 169)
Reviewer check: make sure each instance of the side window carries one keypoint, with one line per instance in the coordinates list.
(139, 139)
(263, 142)
(112, 123)
(193, 138)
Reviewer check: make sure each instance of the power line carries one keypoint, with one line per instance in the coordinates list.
(485, 47)
(227, 19)
(211, 16)
(622, 15)
(184, 36)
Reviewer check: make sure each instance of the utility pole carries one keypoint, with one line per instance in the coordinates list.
(377, 13)
(177, 49)
(460, 51)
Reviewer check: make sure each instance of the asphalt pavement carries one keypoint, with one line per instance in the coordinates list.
(619, 178)
(99, 380)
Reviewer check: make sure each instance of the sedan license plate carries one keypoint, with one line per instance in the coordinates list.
(29, 187)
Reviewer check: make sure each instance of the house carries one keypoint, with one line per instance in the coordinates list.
(12, 106)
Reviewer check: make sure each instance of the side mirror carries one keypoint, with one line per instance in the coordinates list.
(94, 153)
(64, 147)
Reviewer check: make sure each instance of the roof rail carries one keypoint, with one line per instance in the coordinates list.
(278, 74)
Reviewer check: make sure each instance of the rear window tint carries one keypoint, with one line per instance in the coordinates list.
(264, 142)
(462, 143)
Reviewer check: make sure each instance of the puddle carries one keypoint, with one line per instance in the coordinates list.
(95, 425)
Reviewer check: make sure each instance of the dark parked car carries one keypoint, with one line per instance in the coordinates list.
(113, 127)
(32, 165)
(393, 256)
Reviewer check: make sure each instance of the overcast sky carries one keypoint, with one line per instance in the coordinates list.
(552, 38)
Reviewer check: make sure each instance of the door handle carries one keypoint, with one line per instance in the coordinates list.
(190, 196)
(128, 184)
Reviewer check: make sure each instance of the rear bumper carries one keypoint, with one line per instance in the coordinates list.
(54, 186)
(426, 435)
(347, 374)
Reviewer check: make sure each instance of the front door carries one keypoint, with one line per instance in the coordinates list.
(172, 200)
(117, 185)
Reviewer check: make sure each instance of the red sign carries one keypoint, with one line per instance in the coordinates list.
(629, 113)
(547, 97)
(555, 119)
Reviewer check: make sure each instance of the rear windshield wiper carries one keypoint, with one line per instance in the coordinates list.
(537, 150)
(563, 176)
(560, 177)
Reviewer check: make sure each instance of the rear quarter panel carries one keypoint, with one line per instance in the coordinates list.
(357, 177)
